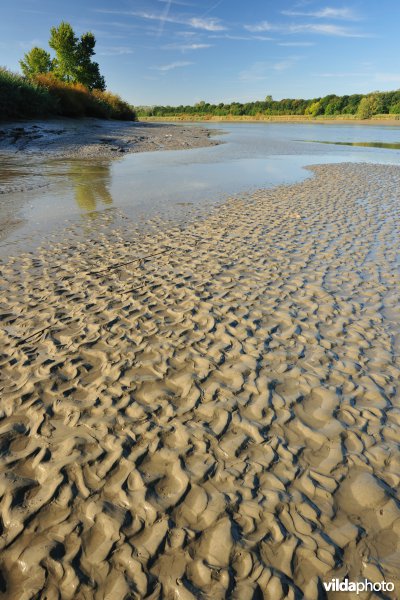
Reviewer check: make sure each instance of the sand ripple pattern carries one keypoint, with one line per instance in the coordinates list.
(220, 420)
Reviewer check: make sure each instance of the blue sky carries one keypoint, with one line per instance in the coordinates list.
(184, 51)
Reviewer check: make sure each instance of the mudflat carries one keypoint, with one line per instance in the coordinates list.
(97, 138)
(208, 410)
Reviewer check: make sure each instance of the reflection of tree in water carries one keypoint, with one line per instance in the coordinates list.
(91, 184)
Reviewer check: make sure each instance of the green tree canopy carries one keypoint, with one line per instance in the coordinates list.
(73, 62)
(64, 42)
(36, 61)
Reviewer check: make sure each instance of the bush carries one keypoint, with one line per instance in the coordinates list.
(45, 95)
(20, 98)
(72, 99)
(119, 109)
(76, 100)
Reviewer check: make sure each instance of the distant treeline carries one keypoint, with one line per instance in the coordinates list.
(359, 105)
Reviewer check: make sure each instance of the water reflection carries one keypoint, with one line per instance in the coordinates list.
(91, 184)
(388, 146)
(141, 185)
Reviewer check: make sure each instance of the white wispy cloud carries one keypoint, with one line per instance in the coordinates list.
(174, 65)
(324, 13)
(258, 27)
(115, 51)
(326, 29)
(296, 44)
(316, 28)
(186, 34)
(164, 17)
(177, 2)
(186, 47)
(205, 24)
(247, 38)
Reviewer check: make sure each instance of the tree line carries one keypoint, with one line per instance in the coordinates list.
(363, 106)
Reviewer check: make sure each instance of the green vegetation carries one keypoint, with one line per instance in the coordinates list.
(73, 58)
(36, 61)
(20, 97)
(354, 106)
(70, 84)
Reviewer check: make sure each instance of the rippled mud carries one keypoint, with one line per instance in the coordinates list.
(208, 411)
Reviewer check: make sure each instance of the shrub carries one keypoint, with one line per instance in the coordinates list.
(43, 95)
(119, 109)
(76, 100)
(20, 98)
(72, 99)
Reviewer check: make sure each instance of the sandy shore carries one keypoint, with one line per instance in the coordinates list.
(97, 138)
(209, 411)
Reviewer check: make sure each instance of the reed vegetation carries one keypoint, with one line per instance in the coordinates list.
(45, 95)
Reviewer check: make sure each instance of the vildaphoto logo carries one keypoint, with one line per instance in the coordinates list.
(335, 585)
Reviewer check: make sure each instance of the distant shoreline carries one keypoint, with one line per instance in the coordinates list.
(339, 120)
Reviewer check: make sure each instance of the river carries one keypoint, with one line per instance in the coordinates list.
(50, 195)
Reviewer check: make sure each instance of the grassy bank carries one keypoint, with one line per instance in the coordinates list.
(45, 95)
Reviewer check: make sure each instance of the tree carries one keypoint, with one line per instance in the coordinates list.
(88, 71)
(73, 62)
(369, 106)
(64, 43)
(314, 109)
(36, 61)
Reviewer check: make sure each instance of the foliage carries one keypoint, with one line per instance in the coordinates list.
(68, 85)
(45, 95)
(73, 62)
(36, 61)
(119, 108)
(314, 109)
(378, 103)
(369, 106)
(73, 58)
(21, 98)
(76, 100)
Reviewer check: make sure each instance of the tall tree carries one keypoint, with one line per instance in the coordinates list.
(64, 41)
(73, 62)
(88, 71)
(36, 61)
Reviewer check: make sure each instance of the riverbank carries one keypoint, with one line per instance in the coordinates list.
(340, 119)
(96, 138)
(211, 409)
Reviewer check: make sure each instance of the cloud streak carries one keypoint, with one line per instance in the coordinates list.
(325, 13)
(115, 51)
(314, 28)
(205, 24)
(174, 65)
(186, 47)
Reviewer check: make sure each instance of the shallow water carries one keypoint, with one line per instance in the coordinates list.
(252, 155)
(389, 146)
